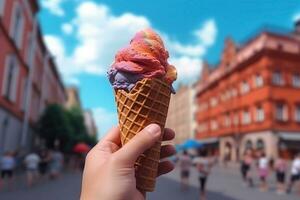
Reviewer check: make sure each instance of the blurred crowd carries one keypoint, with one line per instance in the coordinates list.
(253, 165)
(256, 163)
(38, 166)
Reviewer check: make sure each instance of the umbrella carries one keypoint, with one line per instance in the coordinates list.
(81, 148)
(190, 144)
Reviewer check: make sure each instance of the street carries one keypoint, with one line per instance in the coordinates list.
(224, 184)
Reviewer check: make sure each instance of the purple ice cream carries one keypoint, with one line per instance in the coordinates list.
(123, 80)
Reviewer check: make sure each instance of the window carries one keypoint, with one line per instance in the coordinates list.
(236, 119)
(281, 112)
(245, 87)
(296, 80)
(24, 93)
(2, 4)
(258, 80)
(227, 120)
(31, 50)
(260, 144)
(297, 113)
(214, 125)
(213, 101)
(202, 127)
(249, 145)
(9, 89)
(246, 117)
(17, 25)
(260, 114)
(233, 92)
(277, 78)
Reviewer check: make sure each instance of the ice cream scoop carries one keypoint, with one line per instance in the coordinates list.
(144, 57)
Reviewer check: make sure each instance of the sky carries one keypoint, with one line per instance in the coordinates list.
(84, 35)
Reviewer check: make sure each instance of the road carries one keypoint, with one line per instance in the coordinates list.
(224, 184)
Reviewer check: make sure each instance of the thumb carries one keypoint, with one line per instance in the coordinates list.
(145, 139)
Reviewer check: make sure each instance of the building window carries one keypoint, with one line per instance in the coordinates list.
(246, 119)
(296, 80)
(214, 125)
(297, 113)
(17, 25)
(233, 92)
(248, 145)
(31, 50)
(277, 78)
(236, 119)
(281, 112)
(260, 114)
(213, 101)
(24, 93)
(260, 144)
(258, 80)
(245, 87)
(227, 121)
(202, 127)
(2, 4)
(9, 89)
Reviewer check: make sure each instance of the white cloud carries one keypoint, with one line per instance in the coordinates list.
(100, 34)
(104, 120)
(207, 33)
(67, 28)
(54, 6)
(296, 17)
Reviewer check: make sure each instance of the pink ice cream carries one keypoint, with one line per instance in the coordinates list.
(144, 57)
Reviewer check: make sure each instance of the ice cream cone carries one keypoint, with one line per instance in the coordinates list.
(146, 103)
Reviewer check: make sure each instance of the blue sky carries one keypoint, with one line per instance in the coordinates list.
(84, 36)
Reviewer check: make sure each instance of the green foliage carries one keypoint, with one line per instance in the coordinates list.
(66, 126)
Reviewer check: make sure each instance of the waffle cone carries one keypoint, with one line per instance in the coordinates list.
(146, 103)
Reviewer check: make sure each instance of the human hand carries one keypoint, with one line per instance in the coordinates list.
(109, 169)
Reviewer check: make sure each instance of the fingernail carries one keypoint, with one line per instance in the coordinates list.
(153, 129)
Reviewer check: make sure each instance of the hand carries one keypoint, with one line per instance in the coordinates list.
(109, 169)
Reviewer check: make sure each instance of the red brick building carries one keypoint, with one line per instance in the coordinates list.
(28, 76)
(252, 98)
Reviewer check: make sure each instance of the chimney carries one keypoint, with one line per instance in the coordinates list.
(297, 26)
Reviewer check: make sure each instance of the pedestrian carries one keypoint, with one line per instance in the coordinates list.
(44, 162)
(280, 170)
(295, 173)
(32, 161)
(203, 165)
(246, 164)
(7, 167)
(185, 163)
(56, 163)
(263, 170)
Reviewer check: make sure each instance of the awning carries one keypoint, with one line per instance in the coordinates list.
(290, 136)
(209, 140)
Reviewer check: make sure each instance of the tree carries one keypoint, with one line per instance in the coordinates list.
(54, 126)
(65, 126)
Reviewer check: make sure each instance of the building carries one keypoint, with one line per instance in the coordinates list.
(90, 123)
(73, 99)
(252, 98)
(28, 76)
(181, 114)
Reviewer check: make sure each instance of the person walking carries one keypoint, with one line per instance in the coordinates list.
(280, 170)
(56, 163)
(44, 162)
(246, 165)
(7, 167)
(32, 161)
(185, 162)
(263, 171)
(295, 173)
(203, 165)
